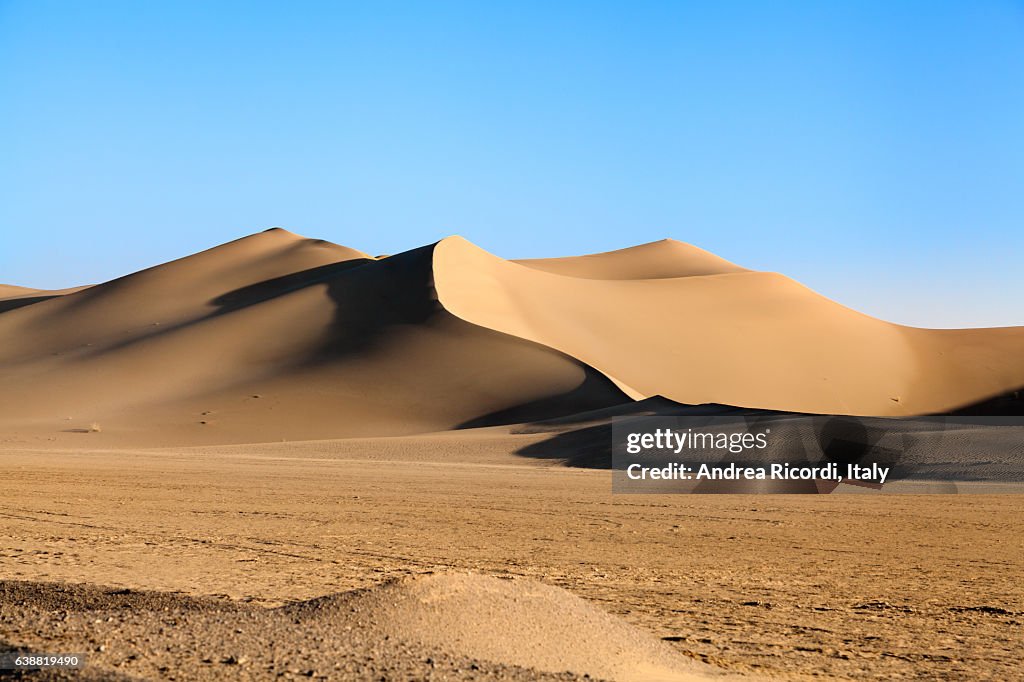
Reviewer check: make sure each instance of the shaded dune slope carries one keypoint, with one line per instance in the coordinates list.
(173, 294)
(751, 339)
(12, 297)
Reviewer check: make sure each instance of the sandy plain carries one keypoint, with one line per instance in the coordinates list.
(844, 586)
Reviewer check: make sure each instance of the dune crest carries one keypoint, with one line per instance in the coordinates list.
(665, 259)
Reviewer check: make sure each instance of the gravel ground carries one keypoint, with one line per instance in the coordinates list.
(132, 635)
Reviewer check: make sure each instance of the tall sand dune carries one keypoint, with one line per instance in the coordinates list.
(275, 336)
(751, 339)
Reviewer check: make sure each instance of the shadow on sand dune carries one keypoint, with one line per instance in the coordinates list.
(585, 439)
(595, 393)
(589, 447)
(1009, 404)
(15, 303)
(278, 286)
(380, 302)
(368, 295)
(977, 448)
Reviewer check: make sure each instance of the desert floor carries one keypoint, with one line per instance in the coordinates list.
(862, 586)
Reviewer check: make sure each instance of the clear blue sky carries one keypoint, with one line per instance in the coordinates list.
(872, 150)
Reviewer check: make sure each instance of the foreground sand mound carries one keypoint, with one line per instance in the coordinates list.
(445, 626)
(506, 620)
(752, 339)
(133, 635)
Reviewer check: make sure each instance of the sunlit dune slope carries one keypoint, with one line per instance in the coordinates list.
(752, 339)
(12, 291)
(657, 260)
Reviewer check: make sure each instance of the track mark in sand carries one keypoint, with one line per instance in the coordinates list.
(882, 606)
(239, 547)
(151, 538)
(641, 506)
(992, 610)
(79, 524)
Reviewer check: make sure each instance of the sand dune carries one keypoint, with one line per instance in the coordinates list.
(269, 337)
(275, 336)
(174, 294)
(752, 339)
